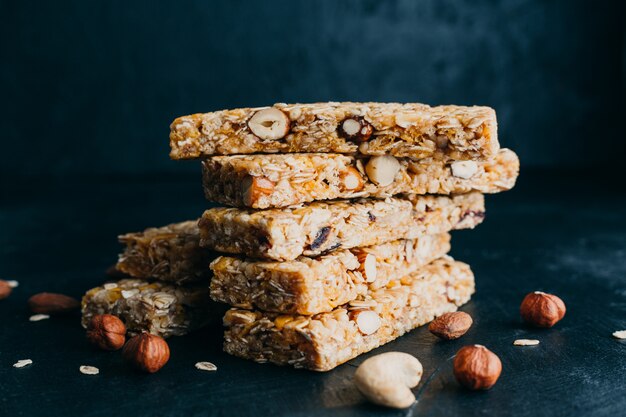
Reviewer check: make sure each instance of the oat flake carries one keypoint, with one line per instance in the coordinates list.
(89, 370)
(38, 317)
(206, 366)
(526, 342)
(22, 363)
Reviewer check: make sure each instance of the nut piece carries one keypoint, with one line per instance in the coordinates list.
(351, 180)
(542, 310)
(387, 379)
(382, 169)
(526, 342)
(22, 363)
(89, 370)
(5, 289)
(254, 188)
(50, 303)
(38, 317)
(206, 366)
(368, 267)
(450, 326)
(464, 169)
(269, 123)
(367, 321)
(356, 128)
(106, 331)
(476, 367)
(619, 334)
(147, 352)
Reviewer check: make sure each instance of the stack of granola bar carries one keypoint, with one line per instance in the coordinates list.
(335, 230)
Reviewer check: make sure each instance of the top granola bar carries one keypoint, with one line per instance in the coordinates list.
(404, 130)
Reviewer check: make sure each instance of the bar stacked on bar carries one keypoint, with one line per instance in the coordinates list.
(333, 234)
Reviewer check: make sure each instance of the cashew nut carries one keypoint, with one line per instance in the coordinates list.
(387, 379)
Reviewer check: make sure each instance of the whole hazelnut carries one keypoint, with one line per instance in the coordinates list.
(542, 310)
(106, 331)
(476, 367)
(5, 289)
(147, 352)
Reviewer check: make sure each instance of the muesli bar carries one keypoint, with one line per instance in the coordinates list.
(170, 253)
(323, 341)
(321, 227)
(156, 307)
(402, 130)
(263, 181)
(316, 285)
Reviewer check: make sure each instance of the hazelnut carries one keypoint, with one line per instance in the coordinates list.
(5, 289)
(542, 310)
(382, 169)
(356, 128)
(464, 169)
(476, 367)
(147, 352)
(269, 123)
(367, 321)
(254, 188)
(451, 326)
(106, 331)
(51, 303)
(351, 180)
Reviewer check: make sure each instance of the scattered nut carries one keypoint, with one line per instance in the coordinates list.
(367, 321)
(206, 366)
(38, 317)
(464, 169)
(368, 266)
(526, 342)
(620, 334)
(13, 283)
(387, 379)
(106, 331)
(22, 363)
(147, 352)
(51, 303)
(5, 289)
(451, 326)
(476, 367)
(542, 310)
(254, 188)
(89, 370)
(269, 123)
(351, 180)
(356, 128)
(382, 169)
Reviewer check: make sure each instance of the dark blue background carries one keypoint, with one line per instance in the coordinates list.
(90, 87)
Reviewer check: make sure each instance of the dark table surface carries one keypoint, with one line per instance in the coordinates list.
(561, 233)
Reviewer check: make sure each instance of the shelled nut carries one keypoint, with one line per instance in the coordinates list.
(368, 266)
(382, 169)
(542, 310)
(269, 124)
(351, 179)
(367, 321)
(387, 379)
(451, 326)
(51, 303)
(476, 367)
(464, 169)
(5, 289)
(106, 331)
(147, 352)
(356, 128)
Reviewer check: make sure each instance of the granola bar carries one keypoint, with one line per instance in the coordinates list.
(316, 285)
(262, 181)
(412, 130)
(323, 341)
(156, 307)
(170, 253)
(320, 227)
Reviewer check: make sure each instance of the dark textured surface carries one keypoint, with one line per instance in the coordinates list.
(104, 78)
(544, 235)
